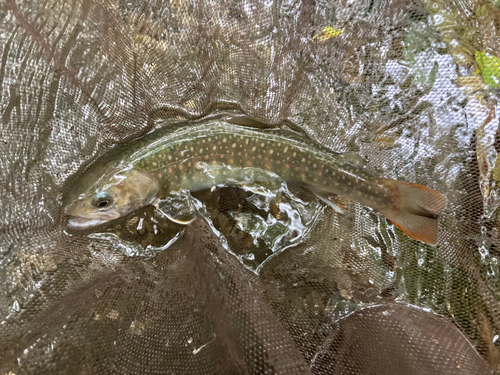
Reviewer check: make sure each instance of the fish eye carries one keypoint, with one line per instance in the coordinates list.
(102, 199)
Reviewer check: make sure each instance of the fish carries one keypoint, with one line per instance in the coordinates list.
(213, 152)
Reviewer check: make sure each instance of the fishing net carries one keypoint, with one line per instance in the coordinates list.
(254, 285)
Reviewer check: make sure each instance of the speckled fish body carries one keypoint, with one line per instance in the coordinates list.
(216, 152)
(220, 153)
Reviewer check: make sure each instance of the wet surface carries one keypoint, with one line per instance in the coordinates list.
(409, 87)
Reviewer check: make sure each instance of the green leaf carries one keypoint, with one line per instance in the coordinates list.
(490, 68)
(496, 2)
(433, 75)
(327, 33)
(496, 170)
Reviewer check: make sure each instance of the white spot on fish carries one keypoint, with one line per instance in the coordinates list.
(233, 145)
(214, 148)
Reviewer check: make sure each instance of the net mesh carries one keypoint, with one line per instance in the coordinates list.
(408, 88)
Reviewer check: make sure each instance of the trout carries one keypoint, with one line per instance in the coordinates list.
(208, 153)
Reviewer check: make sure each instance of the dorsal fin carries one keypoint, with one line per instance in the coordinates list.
(245, 120)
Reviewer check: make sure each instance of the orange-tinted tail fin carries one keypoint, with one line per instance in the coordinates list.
(415, 210)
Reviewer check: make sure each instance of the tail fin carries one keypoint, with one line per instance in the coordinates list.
(415, 210)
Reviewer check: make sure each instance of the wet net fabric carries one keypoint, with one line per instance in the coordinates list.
(407, 88)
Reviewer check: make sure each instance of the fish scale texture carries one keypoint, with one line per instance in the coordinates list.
(254, 285)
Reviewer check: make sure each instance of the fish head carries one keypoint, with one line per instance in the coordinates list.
(111, 198)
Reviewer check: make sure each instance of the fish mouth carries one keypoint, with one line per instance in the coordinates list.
(80, 219)
(80, 223)
(86, 222)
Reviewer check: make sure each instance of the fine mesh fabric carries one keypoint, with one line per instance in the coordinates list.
(407, 88)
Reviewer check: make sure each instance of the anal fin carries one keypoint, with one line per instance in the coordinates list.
(324, 196)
